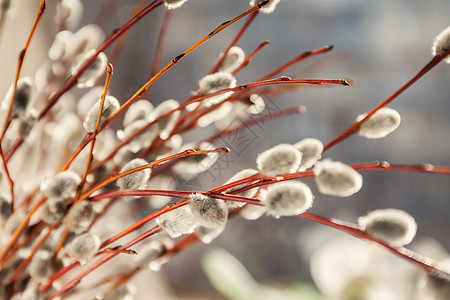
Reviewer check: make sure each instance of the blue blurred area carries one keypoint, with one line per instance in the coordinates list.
(384, 43)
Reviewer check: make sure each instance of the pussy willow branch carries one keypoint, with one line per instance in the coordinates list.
(355, 126)
(168, 66)
(263, 180)
(20, 60)
(249, 58)
(201, 98)
(72, 80)
(101, 184)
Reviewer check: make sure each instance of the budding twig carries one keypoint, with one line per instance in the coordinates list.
(355, 126)
(250, 57)
(20, 60)
(299, 58)
(236, 39)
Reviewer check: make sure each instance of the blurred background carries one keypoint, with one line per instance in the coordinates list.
(379, 44)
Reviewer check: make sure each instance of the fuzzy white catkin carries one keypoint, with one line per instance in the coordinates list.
(32, 292)
(60, 48)
(52, 211)
(149, 252)
(139, 110)
(40, 266)
(87, 38)
(380, 124)
(172, 4)
(5, 5)
(216, 82)
(209, 212)
(268, 8)
(79, 217)
(219, 113)
(234, 58)
(110, 106)
(69, 12)
(252, 212)
(393, 226)
(258, 105)
(207, 234)
(195, 164)
(281, 159)
(166, 124)
(27, 123)
(336, 179)
(5, 209)
(84, 246)
(21, 99)
(248, 193)
(288, 198)
(61, 186)
(441, 44)
(137, 180)
(95, 69)
(311, 150)
(437, 286)
(88, 100)
(13, 222)
(122, 292)
(43, 265)
(177, 222)
(143, 140)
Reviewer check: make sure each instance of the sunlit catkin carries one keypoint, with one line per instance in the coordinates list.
(287, 198)
(281, 159)
(393, 226)
(83, 247)
(177, 222)
(61, 186)
(209, 212)
(137, 180)
(441, 44)
(336, 179)
(380, 124)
